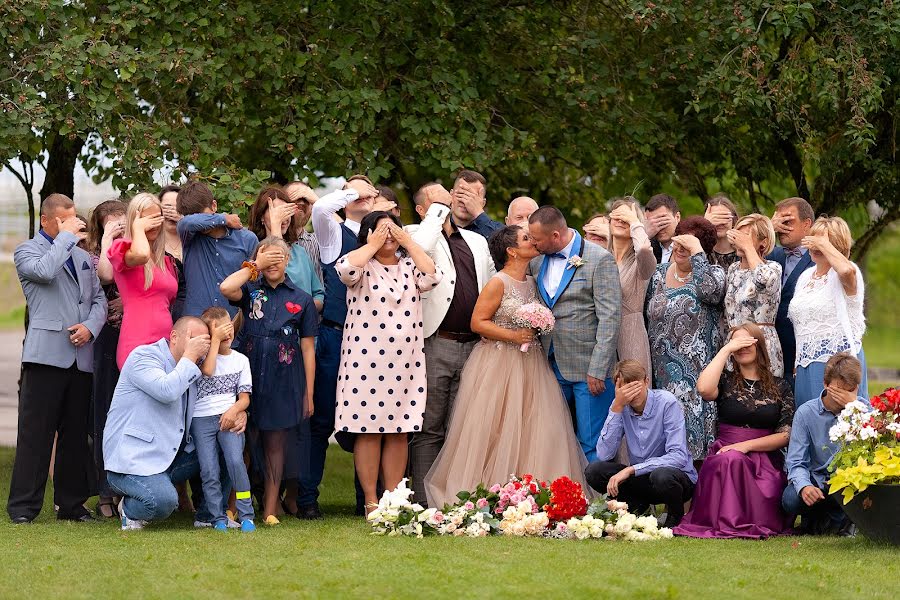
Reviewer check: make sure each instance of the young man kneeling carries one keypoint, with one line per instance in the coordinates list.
(652, 422)
(810, 450)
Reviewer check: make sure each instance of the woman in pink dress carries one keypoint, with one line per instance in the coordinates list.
(381, 377)
(144, 275)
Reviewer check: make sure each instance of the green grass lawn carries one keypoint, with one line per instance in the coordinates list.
(337, 558)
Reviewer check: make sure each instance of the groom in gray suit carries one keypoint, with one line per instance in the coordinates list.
(67, 309)
(579, 281)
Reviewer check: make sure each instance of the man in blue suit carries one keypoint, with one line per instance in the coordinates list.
(792, 222)
(146, 444)
(67, 309)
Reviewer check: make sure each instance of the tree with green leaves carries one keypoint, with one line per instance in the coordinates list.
(572, 102)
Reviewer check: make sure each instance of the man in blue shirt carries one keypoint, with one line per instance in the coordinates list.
(652, 422)
(811, 450)
(213, 246)
(468, 198)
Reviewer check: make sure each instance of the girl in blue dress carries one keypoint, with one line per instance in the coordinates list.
(280, 323)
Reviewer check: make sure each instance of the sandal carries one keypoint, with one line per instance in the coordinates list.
(111, 510)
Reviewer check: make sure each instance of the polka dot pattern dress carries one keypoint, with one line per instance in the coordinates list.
(381, 384)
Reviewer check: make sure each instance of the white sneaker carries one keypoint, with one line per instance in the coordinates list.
(129, 524)
(204, 524)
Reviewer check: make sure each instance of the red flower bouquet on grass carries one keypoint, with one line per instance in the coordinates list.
(566, 500)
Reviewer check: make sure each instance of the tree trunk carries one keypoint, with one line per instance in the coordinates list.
(62, 156)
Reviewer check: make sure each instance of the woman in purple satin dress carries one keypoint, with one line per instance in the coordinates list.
(740, 484)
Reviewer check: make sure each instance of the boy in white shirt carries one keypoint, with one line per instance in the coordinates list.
(222, 394)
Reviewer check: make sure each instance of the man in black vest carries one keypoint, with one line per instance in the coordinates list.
(335, 240)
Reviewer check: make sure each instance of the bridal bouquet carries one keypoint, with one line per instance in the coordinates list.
(522, 507)
(534, 315)
(870, 445)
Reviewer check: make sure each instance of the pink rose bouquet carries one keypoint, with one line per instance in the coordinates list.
(534, 315)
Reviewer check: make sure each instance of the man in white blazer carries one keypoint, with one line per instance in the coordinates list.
(464, 259)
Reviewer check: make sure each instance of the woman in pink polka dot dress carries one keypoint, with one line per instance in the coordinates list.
(381, 386)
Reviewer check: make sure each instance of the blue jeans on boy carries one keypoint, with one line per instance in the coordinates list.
(153, 497)
(824, 517)
(590, 410)
(209, 439)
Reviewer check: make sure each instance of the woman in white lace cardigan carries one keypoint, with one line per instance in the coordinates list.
(827, 309)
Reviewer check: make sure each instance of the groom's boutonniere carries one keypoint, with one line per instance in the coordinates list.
(575, 261)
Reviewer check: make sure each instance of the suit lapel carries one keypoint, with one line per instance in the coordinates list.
(795, 274)
(540, 282)
(569, 271)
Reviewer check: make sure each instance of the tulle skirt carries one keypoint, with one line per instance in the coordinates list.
(509, 417)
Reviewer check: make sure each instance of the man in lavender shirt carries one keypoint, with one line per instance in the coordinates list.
(652, 422)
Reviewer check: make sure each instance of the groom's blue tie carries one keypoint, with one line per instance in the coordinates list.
(558, 255)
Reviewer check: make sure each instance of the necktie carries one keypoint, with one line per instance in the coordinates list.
(558, 255)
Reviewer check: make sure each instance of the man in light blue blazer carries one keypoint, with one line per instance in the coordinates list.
(67, 310)
(147, 446)
(579, 281)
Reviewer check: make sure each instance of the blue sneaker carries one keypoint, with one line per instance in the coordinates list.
(220, 526)
(247, 526)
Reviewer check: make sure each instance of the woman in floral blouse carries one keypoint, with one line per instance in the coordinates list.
(753, 289)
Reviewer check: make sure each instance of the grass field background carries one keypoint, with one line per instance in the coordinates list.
(338, 558)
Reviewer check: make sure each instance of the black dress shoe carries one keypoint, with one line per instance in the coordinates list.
(83, 518)
(22, 520)
(309, 512)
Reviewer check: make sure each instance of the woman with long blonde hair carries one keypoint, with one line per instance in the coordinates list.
(630, 246)
(753, 284)
(144, 275)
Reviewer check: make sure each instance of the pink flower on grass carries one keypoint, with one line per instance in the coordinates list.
(469, 506)
(482, 503)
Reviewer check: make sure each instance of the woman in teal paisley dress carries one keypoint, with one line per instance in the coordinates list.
(683, 312)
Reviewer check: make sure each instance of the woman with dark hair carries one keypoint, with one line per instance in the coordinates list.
(740, 485)
(273, 215)
(683, 314)
(723, 214)
(381, 377)
(523, 424)
(107, 223)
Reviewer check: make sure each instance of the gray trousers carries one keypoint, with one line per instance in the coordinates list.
(444, 361)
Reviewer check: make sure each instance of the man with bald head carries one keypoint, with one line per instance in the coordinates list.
(519, 210)
(147, 447)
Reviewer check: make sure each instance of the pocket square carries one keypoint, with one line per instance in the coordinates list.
(85, 266)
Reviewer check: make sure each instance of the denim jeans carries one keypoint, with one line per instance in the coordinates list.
(153, 497)
(825, 516)
(209, 439)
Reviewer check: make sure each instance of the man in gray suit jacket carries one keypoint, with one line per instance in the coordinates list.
(146, 443)
(579, 281)
(67, 309)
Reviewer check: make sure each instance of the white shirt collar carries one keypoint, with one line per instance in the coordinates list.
(567, 251)
(352, 226)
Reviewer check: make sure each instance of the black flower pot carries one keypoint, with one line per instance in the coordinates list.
(876, 512)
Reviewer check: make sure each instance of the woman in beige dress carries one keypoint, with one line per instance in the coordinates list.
(510, 416)
(631, 248)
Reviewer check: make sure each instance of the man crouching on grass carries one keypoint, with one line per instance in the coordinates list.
(146, 445)
(652, 422)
